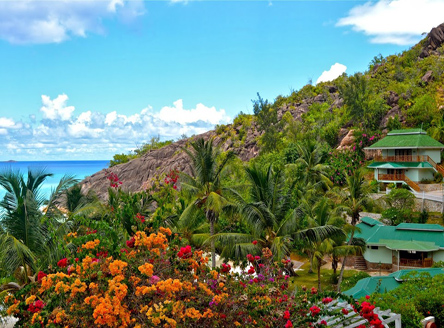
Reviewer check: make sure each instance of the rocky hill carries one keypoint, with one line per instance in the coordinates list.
(402, 86)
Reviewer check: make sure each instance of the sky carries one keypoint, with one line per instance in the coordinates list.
(84, 80)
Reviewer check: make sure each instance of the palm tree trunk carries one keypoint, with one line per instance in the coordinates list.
(319, 275)
(211, 218)
(341, 275)
(311, 262)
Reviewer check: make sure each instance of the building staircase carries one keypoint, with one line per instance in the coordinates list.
(360, 263)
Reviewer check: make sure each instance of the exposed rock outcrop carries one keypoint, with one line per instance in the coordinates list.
(434, 40)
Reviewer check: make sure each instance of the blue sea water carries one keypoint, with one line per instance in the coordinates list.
(80, 169)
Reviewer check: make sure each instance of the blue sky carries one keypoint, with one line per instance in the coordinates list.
(88, 79)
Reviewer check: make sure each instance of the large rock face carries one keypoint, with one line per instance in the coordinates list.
(138, 173)
(434, 40)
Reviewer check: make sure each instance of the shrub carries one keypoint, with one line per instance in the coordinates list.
(437, 177)
(351, 282)
(157, 281)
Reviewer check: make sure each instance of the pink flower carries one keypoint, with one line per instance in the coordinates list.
(288, 324)
(287, 315)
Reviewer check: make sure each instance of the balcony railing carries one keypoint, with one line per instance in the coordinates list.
(426, 263)
(399, 177)
(410, 159)
(403, 158)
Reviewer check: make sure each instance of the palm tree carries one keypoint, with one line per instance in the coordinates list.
(204, 186)
(310, 162)
(318, 214)
(24, 236)
(271, 220)
(352, 200)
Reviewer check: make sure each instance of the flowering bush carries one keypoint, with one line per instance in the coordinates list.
(344, 162)
(156, 282)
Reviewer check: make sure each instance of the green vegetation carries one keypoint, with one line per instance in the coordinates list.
(153, 144)
(418, 296)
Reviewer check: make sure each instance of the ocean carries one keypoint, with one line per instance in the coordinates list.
(80, 169)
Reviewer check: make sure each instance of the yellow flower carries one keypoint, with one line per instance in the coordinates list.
(30, 300)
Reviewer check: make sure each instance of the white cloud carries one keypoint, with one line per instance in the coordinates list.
(398, 22)
(56, 109)
(201, 113)
(334, 71)
(6, 122)
(35, 21)
(62, 133)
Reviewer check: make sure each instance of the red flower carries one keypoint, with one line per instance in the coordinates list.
(327, 300)
(323, 322)
(223, 316)
(37, 306)
(254, 242)
(257, 257)
(62, 263)
(250, 258)
(185, 252)
(40, 275)
(226, 267)
(367, 297)
(130, 243)
(76, 259)
(251, 270)
(314, 290)
(345, 311)
(287, 315)
(288, 324)
(314, 310)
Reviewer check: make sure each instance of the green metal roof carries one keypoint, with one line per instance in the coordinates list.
(407, 165)
(382, 284)
(420, 226)
(409, 139)
(409, 245)
(398, 275)
(374, 235)
(407, 131)
(370, 221)
(370, 285)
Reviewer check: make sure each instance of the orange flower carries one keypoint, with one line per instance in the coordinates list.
(146, 269)
(117, 267)
(91, 244)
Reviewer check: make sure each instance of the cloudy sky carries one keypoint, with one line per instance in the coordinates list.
(86, 79)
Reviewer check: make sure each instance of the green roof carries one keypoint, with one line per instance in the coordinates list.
(392, 165)
(405, 232)
(398, 275)
(370, 285)
(409, 138)
(420, 226)
(382, 284)
(370, 221)
(407, 131)
(409, 245)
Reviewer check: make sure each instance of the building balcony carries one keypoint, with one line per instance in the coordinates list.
(403, 158)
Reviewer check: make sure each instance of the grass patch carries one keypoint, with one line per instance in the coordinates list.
(328, 282)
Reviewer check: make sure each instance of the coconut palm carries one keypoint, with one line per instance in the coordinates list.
(204, 186)
(318, 213)
(24, 235)
(310, 164)
(352, 200)
(271, 220)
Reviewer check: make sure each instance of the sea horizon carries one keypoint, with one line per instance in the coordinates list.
(79, 168)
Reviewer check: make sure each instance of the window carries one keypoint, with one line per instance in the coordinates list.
(374, 247)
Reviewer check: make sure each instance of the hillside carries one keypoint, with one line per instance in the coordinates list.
(403, 90)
